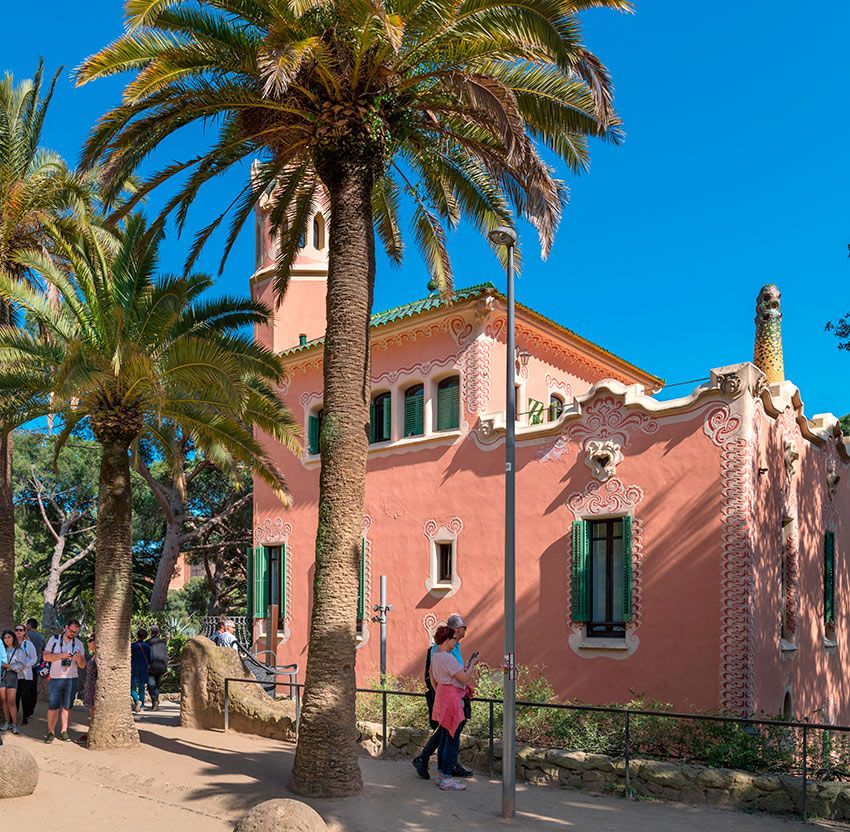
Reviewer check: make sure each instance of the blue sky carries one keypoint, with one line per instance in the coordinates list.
(734, 173)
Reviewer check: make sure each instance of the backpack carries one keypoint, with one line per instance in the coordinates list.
(430, 693)
(159, 656)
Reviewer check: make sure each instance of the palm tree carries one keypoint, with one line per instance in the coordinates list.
(446, 102)
(39, 197)
(127, 352)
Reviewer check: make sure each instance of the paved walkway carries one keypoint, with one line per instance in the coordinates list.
(203, 781)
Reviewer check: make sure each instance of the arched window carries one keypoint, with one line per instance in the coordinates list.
(301, 241)
(448, 403)
(314, 430)
(381, 419)
(318, 232)
(556, 407)
(414, 410)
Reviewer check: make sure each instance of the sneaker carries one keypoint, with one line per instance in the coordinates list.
(15, 729)
(460, 771)
(155, 705)
(64, 736)
(49, 737)
(25, 721)
(5, 726)
(451, 785)
(421, 768)
(137, 707)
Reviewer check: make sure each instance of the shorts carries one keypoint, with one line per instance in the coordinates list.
(9, 680)
(60, 693)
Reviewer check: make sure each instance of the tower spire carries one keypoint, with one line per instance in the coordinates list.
(767, 355)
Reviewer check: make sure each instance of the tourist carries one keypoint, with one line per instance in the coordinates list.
(421, 763)
(90, 685)
(450, 679)
(2, 670)
(27, 659)
(66, 657)
(227, 635)
(158, 665)
(9, 682)
(140, 661)
(39, 669)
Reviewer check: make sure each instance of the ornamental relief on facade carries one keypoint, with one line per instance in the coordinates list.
(603, 420)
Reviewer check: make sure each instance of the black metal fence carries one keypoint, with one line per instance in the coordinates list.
(803, 749)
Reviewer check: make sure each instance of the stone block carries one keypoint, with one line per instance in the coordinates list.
(776, 802)
(573, 760)
(18, 772)
(598, 762)
(711, 778)
(276, 815)
(531, 756)
(666, 775)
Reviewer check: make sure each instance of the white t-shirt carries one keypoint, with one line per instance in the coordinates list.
(58, 644)
(22, 658)
(443, 668)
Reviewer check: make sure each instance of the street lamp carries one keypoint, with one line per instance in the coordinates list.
(503, 236)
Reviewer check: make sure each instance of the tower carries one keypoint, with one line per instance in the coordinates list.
(300, 315)
(767, 355)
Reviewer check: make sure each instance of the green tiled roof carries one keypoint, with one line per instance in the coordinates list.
(436, 301)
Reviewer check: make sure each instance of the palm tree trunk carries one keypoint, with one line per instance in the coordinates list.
(326, 763)
(7, 531)
(7, 509)
(112, 725)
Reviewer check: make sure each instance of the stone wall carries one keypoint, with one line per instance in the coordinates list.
(777, 794)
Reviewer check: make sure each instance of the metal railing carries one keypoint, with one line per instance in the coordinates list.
(294, 693)
(627, 715)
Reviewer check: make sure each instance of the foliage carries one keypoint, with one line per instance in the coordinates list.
(448, 103)
(844, 423)
(187, 606)
(775, 749)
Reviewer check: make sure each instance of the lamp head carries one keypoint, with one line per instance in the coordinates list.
(503, 236)
(523, 356)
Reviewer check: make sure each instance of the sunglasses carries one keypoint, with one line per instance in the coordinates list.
(20, 629)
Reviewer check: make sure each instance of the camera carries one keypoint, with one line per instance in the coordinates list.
(66, 662)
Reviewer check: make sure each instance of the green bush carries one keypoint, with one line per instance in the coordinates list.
(765, 748)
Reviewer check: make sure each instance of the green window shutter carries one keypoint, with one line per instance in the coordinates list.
(535, 412)
(313, 434)
(388, 418)
(249, 561)
(448, 404)
(284, 601)
(261, 582)
(580, 572)
(361, 583)
(414, 412)
(627, 568)
(829, 578)
(372, 422)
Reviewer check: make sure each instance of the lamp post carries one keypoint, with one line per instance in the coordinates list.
(504, 236)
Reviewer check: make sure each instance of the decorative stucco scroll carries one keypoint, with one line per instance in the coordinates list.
(605, 418)
(611, 497)
(476, 375)
(737, 639)
(553, 385)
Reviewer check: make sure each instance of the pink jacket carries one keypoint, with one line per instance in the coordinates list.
(448, 707)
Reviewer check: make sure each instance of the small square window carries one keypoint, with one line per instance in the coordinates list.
(445, 563)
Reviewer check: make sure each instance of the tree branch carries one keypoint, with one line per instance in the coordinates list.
(216, 519)
(78, 557)
(158, 489)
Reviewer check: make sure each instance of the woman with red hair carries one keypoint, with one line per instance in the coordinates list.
(450, 680)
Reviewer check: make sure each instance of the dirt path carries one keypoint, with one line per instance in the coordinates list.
(189, 781)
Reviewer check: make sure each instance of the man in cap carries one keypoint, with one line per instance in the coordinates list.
(420, 763)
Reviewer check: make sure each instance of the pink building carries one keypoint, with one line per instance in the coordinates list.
(691, 550)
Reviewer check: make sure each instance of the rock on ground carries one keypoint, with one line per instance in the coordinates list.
(279, 815)
(18, 772)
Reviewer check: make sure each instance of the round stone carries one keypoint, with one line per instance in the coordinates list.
(282, 816)
(18, 772)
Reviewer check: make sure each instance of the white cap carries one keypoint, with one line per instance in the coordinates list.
(455, 620)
